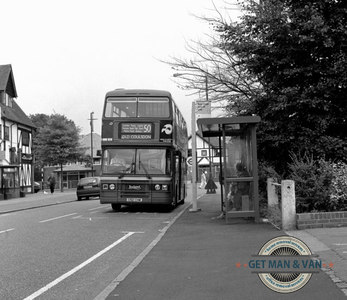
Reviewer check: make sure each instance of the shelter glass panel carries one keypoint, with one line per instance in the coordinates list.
(238, 168)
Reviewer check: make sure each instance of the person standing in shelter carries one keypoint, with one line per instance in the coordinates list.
(203, 180)
(51, 182)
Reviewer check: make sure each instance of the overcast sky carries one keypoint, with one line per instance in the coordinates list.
(66, 54)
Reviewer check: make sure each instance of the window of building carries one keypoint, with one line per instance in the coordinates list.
(7, 133)
(25, 138)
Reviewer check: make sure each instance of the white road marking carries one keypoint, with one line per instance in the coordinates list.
(7, 230)
(74, 270)
(343, 244)
(56, 218)
(96, 208)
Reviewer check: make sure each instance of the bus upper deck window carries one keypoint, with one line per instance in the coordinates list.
(120, 107)
(153, 107)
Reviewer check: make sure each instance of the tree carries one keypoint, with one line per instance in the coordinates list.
(40, 120)
(298, 52)
(57, 141)
(216, 73)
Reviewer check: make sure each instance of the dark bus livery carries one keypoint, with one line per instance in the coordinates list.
(144, 149)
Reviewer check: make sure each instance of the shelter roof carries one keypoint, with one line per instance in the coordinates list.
(209, 127)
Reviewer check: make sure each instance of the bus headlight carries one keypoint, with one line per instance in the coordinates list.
(108, 186)
(164, 187)
(157, 187)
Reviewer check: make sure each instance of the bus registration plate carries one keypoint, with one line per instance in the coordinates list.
(134, 199)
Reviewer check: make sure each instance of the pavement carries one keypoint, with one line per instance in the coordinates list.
(39, 199)
(199, 256)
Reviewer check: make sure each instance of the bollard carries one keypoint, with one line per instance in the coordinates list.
(288, 205)
(272, 197)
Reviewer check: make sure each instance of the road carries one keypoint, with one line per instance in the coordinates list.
(73, 250)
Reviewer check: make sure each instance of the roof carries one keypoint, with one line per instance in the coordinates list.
(85, 142)
(15, 114)
(138, 92)
(71, 168)
(212, 127)
(6, 80)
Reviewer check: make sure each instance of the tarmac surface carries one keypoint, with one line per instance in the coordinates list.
(199, 256)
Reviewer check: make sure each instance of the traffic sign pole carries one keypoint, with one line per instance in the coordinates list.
(194, 187)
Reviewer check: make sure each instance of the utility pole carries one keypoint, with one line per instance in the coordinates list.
(91, 140)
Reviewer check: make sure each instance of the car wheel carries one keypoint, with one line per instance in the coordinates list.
(79, 198)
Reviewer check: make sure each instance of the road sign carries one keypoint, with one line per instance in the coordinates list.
(190, 161)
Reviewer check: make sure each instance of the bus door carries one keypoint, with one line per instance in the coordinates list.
(178, 175)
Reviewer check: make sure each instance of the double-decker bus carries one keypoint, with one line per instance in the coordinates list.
(144, 149)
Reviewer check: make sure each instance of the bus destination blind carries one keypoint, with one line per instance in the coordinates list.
(136, 131)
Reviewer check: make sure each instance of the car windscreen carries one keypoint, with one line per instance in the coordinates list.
(88, 180)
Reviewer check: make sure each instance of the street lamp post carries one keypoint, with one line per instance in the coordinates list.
(209, 143)
(194, 166)
(194, 187)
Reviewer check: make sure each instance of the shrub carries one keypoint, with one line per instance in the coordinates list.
(313, 183)
(338, 197)
(265, 171)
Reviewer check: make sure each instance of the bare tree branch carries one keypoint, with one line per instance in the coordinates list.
(214, 68)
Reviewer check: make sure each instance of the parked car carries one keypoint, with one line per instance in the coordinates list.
(88, 187)
(37, 186)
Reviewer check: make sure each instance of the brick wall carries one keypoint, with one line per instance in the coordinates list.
(321, 219)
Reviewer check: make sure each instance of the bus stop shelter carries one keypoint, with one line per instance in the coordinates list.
(238, 163)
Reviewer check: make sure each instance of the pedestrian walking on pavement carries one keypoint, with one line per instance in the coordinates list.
(203, 180)
(51, 183)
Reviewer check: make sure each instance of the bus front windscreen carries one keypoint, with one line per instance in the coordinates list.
(136, 161)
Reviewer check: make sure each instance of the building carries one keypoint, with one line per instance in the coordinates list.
(85, 142)
(16, 158)
(207, 156)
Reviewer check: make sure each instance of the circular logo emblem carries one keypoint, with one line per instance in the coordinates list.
(285, 281)
(167, 129)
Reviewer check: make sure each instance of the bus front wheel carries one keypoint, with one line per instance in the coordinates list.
(116, 207)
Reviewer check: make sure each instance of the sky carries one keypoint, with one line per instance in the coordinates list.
(66, 54)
